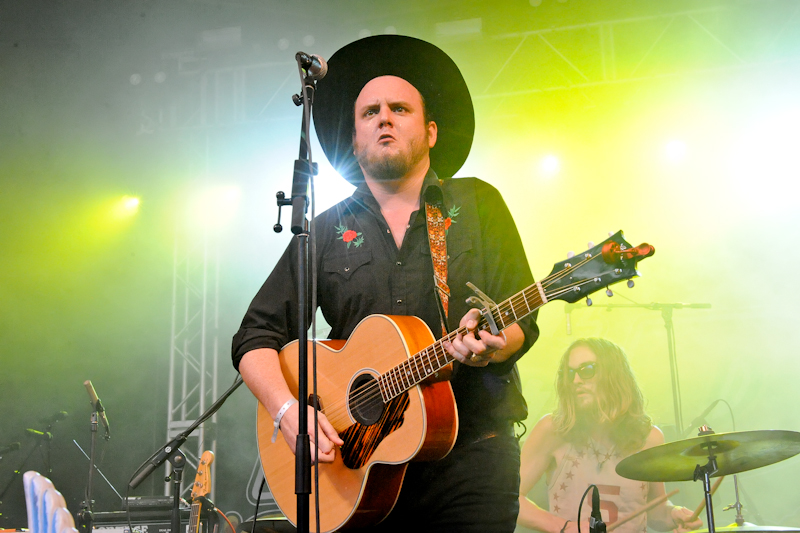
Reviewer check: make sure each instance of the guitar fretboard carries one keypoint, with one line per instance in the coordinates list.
(430, 360)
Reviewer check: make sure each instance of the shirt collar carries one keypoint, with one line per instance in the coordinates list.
(363, 195)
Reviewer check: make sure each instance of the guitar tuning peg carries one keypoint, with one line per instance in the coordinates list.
(609, 293)
(590, 245)
(570, 254)
(588, 302)
(630, 283)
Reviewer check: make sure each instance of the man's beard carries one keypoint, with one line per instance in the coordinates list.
(391, 166)
(587, 416)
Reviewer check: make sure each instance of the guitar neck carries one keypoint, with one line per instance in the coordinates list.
(609, 262)
(194, 519)
(432, 359)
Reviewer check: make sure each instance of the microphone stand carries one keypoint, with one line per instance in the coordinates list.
(666, 313)
(303, 170)
(85, 517)
(170, 452)
(46, 458)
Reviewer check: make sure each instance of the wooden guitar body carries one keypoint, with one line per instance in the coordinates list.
(419, 425)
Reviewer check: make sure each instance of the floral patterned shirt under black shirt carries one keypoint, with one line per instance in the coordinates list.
(362, 272)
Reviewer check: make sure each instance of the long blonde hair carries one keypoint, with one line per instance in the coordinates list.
(619, 400)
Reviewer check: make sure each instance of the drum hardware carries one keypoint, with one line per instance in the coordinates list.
(726, 453)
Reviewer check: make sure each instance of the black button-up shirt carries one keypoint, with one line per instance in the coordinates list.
(362, 272)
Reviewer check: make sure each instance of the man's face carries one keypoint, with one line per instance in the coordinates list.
(391, 138)
(581, 361)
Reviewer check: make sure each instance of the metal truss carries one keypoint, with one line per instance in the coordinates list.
(194, 346)
(642, 48)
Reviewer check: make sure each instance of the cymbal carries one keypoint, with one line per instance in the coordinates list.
(747, 527)
(735, 452)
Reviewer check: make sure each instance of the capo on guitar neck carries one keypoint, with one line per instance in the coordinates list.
(481, 299)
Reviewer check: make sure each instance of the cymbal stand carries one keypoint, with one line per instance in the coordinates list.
(738, 504)
(705, 472)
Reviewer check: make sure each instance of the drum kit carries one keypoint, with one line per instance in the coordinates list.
(714, 455)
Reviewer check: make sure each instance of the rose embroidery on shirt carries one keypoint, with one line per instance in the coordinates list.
(452, 214)
(349, 236)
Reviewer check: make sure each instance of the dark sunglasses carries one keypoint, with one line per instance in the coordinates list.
(585, 371)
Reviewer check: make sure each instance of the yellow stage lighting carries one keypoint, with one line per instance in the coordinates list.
(675, 151)
(550, 165)
(125, 207)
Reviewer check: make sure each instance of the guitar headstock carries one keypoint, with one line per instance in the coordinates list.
(202, 481)
(602, 265)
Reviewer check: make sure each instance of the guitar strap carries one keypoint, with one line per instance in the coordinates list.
(438, 245)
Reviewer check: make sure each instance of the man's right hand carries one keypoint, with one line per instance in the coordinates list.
(327, 436)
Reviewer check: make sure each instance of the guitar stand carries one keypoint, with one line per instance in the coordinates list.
(178, 461)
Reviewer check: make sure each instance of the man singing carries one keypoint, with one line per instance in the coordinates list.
(395, 118)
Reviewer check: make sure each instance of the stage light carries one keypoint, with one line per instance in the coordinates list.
(131, 203)
(330, 187)
(675, 151)
(550, 165)
(125, 207)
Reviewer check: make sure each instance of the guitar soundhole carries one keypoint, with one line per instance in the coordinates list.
(365, 400)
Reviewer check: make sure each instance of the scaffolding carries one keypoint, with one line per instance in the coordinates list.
(194, 347)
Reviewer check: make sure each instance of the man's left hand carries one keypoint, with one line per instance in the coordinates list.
(473, 351)
(681, 517)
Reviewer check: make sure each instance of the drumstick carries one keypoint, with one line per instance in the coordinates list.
(702, 505)
(643, 509)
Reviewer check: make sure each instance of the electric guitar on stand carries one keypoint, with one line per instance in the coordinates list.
(375, 390)
(200, 502)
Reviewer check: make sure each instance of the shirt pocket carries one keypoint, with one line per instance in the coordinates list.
(348, 264)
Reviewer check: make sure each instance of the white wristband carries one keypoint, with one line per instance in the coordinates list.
(278, 417)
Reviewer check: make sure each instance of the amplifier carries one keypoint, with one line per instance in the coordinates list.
(150, 521)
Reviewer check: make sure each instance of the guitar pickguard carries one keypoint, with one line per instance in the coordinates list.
(360, 440)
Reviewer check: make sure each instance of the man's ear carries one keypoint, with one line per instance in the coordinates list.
(433, 131)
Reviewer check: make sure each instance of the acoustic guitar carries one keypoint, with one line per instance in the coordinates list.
(375, 390)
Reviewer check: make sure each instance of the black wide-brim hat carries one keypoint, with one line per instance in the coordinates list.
(423, 65)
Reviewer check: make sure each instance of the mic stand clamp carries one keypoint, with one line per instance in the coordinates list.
(596, 526)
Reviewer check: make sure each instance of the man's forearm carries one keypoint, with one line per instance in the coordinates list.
(261, 372)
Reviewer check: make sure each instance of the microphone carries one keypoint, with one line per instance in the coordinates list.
(11, 447)
(42, 435)
(98, 406)
(58, 417)
(314, 65)
(698, 421)
(596, 524)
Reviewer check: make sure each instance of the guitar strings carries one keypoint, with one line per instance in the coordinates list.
(401, 378)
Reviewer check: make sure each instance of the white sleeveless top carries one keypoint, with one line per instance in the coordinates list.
(594, 465)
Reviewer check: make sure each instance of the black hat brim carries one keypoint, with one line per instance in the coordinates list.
(423, 65)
